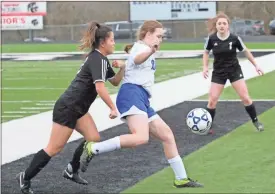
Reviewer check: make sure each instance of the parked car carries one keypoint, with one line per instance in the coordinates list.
(247, 27)
(127, 30)
(272, 27)
(38, 39)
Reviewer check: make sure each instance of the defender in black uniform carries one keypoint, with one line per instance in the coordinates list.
(71, 109)
(226, 66)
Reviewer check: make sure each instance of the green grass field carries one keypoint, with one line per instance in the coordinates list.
(32, 87)
(29, 48)
(241, 162)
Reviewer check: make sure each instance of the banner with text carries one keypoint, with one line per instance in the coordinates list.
(23, 8)
(22, 22)
(175, 10)
(24, 15)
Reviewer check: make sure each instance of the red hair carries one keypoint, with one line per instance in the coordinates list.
(211, 23)
(147, 26)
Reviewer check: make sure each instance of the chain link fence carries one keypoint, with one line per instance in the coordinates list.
(123, 30)
(178, 30)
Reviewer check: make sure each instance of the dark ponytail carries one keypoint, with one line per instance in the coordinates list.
(93, 35)
(88, 38)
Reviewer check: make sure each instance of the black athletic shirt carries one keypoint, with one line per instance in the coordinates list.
(224, 51)
(82, 92)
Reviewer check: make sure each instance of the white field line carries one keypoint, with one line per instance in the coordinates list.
(29, 78)
(117, 55)
(26, 101)
(44, 104)
(234, 100)
(36, 108)
(16, 101)
(30, 88)
(121, 52)
(166, 94)
(11, 116)
(21, 112)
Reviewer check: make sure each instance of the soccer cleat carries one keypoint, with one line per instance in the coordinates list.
(25, 186)
(259, 126)
(86, 156)
(211, 132)
(183, 183)
(75, 177)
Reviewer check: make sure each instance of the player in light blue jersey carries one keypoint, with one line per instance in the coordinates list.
(134, 106)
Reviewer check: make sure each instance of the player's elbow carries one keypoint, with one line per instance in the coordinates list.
(206, 53)
(115, 83)
(137, 61)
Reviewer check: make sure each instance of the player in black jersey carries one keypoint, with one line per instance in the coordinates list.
(71, 109)
(226, 66)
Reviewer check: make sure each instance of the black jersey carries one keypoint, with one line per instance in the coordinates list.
(82, 92)
(224, 51)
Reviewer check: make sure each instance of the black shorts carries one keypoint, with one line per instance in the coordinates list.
(222, 77)
(65, 116)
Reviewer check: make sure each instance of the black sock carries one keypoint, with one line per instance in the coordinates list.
(212, 112)
(76, 158)
(39, 161)
(251, 110)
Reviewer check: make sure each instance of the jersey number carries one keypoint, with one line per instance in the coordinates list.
(230, 45)
(153, 64)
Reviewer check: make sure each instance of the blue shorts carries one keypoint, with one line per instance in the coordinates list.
(133, 99)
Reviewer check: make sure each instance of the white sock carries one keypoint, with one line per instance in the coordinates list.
(106, 146)
(177, 165)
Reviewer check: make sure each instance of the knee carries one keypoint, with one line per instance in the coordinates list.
(52, 150)
(246, 100)
(93, 138)
(168, 137)
(212, 102)
(141, 139)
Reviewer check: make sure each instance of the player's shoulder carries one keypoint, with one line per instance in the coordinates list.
(212, 36)
(95, 55)
(233, 36)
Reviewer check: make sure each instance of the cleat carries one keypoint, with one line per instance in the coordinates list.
(86, 156)
(183, 183)
(211, 132)
(73, 176)
(25, 186)
(259, 126)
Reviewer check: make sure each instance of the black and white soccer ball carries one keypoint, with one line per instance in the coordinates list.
(199, 121)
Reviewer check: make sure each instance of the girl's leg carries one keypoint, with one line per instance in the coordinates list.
(138, 125)
(160, 130)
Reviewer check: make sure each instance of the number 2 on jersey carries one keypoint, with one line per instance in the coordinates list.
(230, 45)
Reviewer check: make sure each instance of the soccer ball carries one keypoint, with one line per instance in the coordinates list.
(199, 121)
